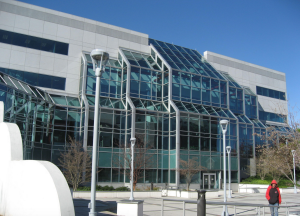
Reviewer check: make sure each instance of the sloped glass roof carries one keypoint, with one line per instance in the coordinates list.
(205, 110)
(258, 123)
(65, 100)
(141, 60)
(148, 105)
(231, 81)
(185, 59)
(106, 102)
(110, 62)
(22, 86)
(249, 92)
(244, 119)
(282, 129)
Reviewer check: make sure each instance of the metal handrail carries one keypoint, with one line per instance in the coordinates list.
(258, 206)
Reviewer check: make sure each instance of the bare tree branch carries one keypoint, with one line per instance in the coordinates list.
(76, 164)
(188, 169)
(142, 159)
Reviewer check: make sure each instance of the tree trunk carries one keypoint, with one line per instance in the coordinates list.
(134, 184)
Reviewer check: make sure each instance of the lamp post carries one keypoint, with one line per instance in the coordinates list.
(132, 140)
(99, 58)
(228, 149)
(224, 124)
(295, 189)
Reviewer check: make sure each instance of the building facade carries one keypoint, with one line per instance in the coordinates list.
(169, 97)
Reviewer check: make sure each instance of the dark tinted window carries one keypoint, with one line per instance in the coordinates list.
(35, 79)
(58, 83)
(270, 93)
(45, 81)
(267, 116)
(6, 37)
(61, 48)
(33, 42)
(19, 40)
(15, 73)
(31, 78)
(47, 45)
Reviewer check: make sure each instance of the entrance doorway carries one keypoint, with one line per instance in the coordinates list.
(209, 180)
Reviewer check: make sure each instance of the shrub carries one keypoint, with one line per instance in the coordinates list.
(84, 188)
(122, 189)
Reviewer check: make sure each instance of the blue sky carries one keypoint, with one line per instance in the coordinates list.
(266, 33)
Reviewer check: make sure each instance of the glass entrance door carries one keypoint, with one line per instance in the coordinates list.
(209, 180)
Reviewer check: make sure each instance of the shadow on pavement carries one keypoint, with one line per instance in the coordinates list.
(102, 207)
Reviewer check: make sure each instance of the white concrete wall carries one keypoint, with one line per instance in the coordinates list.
(29, 188)
(260, 76)
(260, 188)
(30, 60)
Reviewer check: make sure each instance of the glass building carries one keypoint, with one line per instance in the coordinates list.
(168, 96)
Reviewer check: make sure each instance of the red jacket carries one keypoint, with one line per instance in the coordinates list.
(268, 191)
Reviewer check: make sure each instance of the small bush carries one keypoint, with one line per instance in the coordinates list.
(122, 189)
(104, 188)
(83, 188)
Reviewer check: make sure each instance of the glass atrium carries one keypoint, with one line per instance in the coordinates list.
(171, 99)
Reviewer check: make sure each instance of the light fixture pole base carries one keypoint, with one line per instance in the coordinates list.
(225, 213)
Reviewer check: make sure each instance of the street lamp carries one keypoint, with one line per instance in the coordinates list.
(99, 58)
(228, 149)
(295, 189)
(224, 124)
(132, 140)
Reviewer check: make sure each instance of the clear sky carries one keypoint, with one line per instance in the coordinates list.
(262, 32)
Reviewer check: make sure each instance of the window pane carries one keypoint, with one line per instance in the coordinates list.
(146, 75)
(19, 40)
(47, 45)
(185, 79)
(6, 36)
(58, 83)
(45, 81)
(205, 83)
(31, 78)
(61, 48)
(185, 92)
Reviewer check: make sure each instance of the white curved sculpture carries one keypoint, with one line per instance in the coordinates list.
(29, 187)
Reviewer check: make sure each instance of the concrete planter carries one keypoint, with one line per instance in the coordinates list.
(116, 194)
(260, 188)
(191, 194)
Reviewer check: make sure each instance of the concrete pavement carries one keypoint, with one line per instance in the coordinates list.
(152, 206)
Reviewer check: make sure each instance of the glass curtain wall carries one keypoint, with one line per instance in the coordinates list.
(155, 126)
(45, 121)
(200, 93)
(250, 104)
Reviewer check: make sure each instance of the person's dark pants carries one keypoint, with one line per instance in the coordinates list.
(274, 209)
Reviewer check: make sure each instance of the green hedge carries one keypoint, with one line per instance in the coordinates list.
(104, 188)
(283, 183)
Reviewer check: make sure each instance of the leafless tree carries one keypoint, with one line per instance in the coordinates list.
(142, 159)
(189, 168)
(275, 157)
(261, 166)
(76, 164)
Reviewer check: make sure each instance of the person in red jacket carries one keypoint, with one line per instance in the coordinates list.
(274, 197)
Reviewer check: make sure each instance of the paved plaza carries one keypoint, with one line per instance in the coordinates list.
(152, 206)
